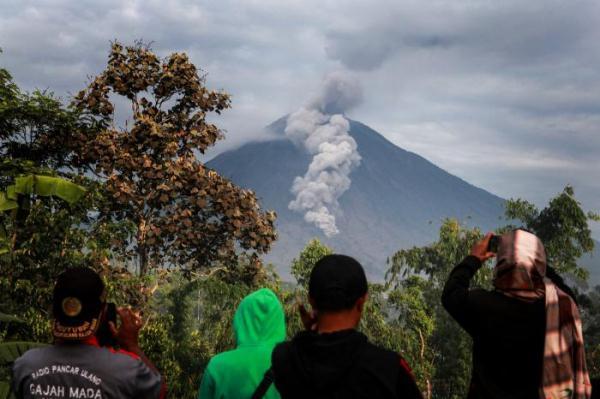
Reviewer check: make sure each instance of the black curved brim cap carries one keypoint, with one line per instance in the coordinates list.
(336, 282)
(79, 296)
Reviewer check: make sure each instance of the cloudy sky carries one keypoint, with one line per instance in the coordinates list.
(505, 94)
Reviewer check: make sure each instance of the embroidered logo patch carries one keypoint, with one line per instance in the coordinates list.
(71, 306)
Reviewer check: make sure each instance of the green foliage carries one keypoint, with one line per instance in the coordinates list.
(42, 234)
(7, 318)
(44, 186)
(5, 390)
(415, 323)
(159, 345)
(445, 347)
(43, 239)
(310, 255)
(589, 306)
(11, 351)
(562, 226)
(191, 320)
(292, 295)
(35, 126)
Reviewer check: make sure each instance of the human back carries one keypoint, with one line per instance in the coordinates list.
(79, 364)
(83, 371)
(339, 365)
(331, 359)
(259, 324)
(527, 338)
(508, 343)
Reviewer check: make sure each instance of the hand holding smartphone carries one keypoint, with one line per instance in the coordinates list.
(493, 244)
(308, 318)
(482, 250)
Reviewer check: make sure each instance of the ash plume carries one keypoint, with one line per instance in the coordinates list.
(322, 129)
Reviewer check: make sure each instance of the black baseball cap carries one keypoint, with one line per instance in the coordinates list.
(336, 283)
(79, 298)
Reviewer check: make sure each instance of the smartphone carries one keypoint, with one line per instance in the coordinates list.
(493, 244)
(104, 335)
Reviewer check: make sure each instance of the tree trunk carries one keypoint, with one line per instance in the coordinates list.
(143, 259)
(142, 250)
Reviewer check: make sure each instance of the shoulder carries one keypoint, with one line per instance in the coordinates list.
(34, 354)
(220, 360)
(387, 364)
(379, 360)
(117, 362)
(122, 354)
(280, 358)
(379, 355)
(484, 299)
(30, 360)
(282, 347)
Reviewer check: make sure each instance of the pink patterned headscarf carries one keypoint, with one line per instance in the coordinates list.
(520, 273)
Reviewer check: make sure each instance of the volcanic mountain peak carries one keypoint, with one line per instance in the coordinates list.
(397, 198)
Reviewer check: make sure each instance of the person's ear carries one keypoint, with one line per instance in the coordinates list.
(360, 303)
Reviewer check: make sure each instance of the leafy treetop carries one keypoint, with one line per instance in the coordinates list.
(181, 213)
(562, 226)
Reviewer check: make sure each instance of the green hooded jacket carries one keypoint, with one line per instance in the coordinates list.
(259, 324)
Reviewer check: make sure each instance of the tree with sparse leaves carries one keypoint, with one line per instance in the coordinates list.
(180, 212)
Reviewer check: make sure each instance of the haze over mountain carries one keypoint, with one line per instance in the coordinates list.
(397, 199)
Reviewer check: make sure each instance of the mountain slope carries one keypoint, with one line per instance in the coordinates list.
(397, 198)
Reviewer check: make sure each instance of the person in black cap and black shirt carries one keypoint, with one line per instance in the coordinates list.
(331, 359)
(76, 366)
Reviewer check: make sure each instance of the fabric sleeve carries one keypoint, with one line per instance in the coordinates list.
(455, 297)
(147, 382)
(207, 385)
(407, 386)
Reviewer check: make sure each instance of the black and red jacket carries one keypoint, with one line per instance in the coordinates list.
(342, 364)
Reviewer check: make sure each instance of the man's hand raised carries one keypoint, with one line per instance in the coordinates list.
(129, 330)
(309, 319)
(480, 249)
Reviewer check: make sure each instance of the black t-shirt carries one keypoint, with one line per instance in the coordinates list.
(340, 365)
(80, 371)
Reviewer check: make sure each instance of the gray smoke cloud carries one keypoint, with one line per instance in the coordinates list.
(339, 92)
(321, 128)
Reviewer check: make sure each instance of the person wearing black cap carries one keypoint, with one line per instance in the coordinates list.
(331, 359)
(77, 366)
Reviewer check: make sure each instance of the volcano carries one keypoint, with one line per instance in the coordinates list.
(397, 199)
